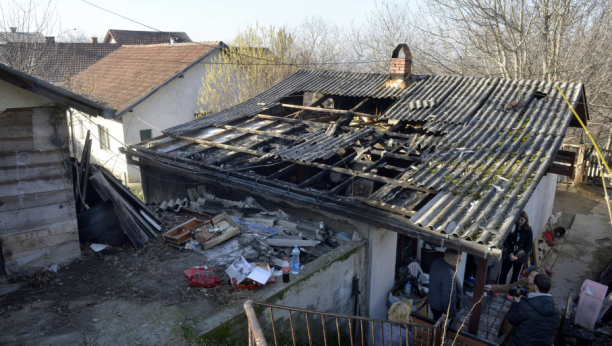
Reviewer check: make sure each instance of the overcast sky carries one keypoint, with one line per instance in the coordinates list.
(204, 20)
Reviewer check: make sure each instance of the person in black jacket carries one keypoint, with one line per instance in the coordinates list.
(517, 246)
(536, 316)
(445, 292)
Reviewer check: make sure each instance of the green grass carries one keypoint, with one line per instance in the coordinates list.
(138, 193)
(189, 334)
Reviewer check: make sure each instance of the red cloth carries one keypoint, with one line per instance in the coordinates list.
(202, 277)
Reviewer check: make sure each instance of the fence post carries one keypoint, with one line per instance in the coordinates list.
(255, 329)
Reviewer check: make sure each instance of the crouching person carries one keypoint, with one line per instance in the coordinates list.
(536, 316)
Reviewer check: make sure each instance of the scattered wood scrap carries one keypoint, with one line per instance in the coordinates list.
(137, 221)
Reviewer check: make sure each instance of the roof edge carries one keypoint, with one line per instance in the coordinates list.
(55, 93)
(120, 113)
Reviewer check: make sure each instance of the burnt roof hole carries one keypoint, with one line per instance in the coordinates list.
(540, 95)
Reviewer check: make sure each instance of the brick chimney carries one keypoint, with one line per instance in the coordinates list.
(401, 67)
(94, 40)
(13, 29)
(49, 39)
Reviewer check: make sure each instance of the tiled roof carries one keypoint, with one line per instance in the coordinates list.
(131, 72)
(129, 37)
(454, 137)
(55, 61)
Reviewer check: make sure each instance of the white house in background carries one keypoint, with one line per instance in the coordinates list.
(151, 87)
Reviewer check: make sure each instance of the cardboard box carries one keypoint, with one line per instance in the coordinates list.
(239, 281)
(230, 230)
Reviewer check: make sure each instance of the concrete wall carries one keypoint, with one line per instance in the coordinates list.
(173, 104)
(540, 205)
(325, 285)
(382, 249)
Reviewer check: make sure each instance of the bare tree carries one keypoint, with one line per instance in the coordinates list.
(321, 44)
(386, 26)
(255, 60)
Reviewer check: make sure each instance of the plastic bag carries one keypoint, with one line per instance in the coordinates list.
(202, 277)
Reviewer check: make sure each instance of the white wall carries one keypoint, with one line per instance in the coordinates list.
(12, 96)
(110, 158)
(383, 248)
(540, 205)
(174, 104)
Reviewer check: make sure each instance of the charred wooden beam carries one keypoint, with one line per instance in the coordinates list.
(317, 103)
(311, 164)
(386, 206)
(329, 110)
(315, 178)
(262, 133)
(283, 171)
(305, 122)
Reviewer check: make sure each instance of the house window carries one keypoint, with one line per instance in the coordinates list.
(145, 135)
(103, 137)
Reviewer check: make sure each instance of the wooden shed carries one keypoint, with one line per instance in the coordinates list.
(38, 225)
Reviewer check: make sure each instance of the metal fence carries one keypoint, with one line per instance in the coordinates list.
(338, 329)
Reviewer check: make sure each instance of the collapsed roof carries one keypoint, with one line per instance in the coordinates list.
(450, 159)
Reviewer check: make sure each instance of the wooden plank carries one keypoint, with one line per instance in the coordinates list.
(15, 131)
(30, 172)
(137, 236)
(16, 117)
(14, 249)
(22, 158)
(42, 130)
(330, 110)
(481, 277)
(63, 252)
(31, 217)
(222, 146)
(24, 234)
(129, 196)
(16, 144)
(34, 200)
(386, 206)
(312, 164)
(24, 187)
(257, 132)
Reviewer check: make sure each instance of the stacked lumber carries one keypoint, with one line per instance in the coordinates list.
(137, 221)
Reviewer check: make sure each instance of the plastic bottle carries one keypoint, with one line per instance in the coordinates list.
(408, 289)
(295, 261)
(286, 269)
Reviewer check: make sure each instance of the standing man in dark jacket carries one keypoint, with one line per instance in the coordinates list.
(445, 293)
(517, 247)
(536, 316)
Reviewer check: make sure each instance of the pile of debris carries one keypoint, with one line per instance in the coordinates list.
(265, 236)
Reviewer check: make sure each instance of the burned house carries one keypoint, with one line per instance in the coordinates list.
(401, 158)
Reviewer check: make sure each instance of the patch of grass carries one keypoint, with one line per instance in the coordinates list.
(188, 331)
(138, 193)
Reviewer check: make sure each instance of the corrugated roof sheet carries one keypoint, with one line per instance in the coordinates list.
(483, 158)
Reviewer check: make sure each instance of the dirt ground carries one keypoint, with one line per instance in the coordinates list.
(109, 298)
